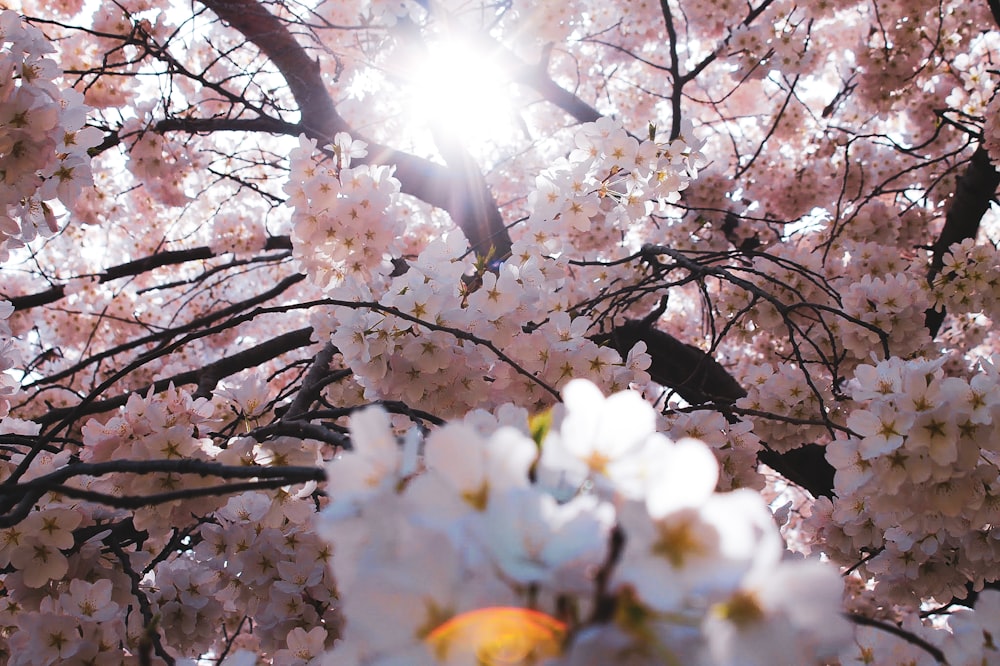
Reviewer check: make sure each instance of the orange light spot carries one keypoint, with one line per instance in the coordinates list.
(498, 636)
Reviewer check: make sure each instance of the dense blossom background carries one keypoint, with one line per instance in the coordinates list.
(457, 332)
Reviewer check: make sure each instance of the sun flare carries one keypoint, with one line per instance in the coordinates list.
(461, 88)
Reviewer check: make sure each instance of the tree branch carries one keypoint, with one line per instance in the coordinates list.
(222, 124)
(313, 382)
(136, 267)
(205, 378)
(133, 502)
(150, 638)
(696, 376)
(973, 194)
(461, 192)
(319, 115)
(290, 474)
(537, 79)
(700, 379)
(895, 630)
(995, 10)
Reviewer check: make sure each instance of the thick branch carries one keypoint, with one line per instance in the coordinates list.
(700, 379)
(461, 192)
(206, 126)
(537, 79)
(696, 376)
(150, 639)
(222, 124)
(139, 501)
(302, 73)
(313, 382)
(290, 474)
(995, 10)
(973, 194)
(23, 496)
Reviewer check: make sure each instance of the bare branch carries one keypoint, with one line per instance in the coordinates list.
(319, 116)
(205, 378)
(136, 267)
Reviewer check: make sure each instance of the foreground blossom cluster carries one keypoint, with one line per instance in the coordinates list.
(591, 518)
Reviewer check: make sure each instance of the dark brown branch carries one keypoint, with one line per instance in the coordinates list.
(899, 632)
(700, 379)
(973, 194)
(539, 81)
(301, 429)
(205, 378)
(24, 495)
(207, 125)
(995, 10)
(150, 638)
(696, 376)
(677, 88)
(319, 115)
(290, 474)
(136, 267)
(461, 192)
(313, 382)
(140, 501)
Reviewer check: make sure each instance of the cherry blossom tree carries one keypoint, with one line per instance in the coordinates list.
(411, 332)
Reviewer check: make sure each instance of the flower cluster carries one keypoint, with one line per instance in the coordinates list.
(893, 304)
(785, 391)
(155, 427)
(158, 165)
(735, 445)
(969, 281)
(253, 553)
(345, 226)
(783, 277)
(255, 557)
(237, 233)
(593, 539)
(76, 626)
(917, 487)
(43, 141)
(406, 347)
(526, 305)
(610, 181)
(761, 47)
(861, 298)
